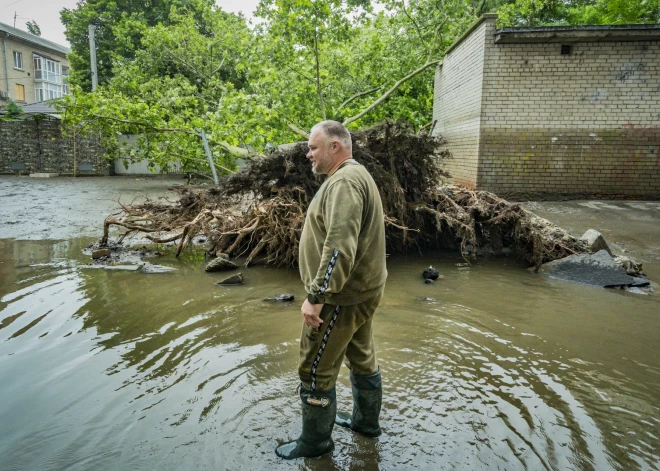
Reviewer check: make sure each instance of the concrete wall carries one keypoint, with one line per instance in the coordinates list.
(457, 105)
(25, 76)
(124, 166)
(587, 123)
(41, 147)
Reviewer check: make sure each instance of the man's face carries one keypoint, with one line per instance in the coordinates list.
(319, 152)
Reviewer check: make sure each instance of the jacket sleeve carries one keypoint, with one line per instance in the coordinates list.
(342, 214)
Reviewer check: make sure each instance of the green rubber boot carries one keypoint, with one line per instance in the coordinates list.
(318, 416)
(367, 399)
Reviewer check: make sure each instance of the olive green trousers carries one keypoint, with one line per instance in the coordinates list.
(346, 333)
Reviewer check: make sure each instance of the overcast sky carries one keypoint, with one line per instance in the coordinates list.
(47, 14)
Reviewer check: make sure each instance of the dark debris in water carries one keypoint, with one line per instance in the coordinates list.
(430, 273)
(284, 298)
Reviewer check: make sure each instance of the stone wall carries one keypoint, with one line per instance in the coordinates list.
(585, 123)
(457, 105)
(40, 146)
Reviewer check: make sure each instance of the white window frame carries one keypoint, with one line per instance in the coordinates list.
(18, 60)
(48, 80)
(44, 91)
(47, 70)
(65, 79)
(37, 69)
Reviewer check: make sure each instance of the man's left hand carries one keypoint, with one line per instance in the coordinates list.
(310, 313)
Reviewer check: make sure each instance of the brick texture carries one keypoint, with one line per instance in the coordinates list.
(587, 123)
(26, 75)
(457, 106)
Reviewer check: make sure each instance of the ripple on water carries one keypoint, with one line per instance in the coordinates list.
(141, 372)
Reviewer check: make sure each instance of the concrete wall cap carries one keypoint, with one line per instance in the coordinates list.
(464, 36)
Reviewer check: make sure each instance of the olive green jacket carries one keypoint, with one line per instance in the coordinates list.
(342, 246)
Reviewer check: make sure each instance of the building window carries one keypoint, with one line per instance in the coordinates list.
(47, 91)
(48, 79)
(65, 80)
(20, 92)
(565, 49)
(47, 70)
(18, 60)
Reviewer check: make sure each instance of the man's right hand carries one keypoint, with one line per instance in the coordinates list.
(310, 313)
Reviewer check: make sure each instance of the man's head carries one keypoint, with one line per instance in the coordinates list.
(329, 145)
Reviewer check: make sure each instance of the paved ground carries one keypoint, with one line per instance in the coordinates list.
(631, 228)
(64, 207)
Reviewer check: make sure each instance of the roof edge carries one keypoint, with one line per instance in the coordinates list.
(470, 30)
(579, 33)
(38, 41)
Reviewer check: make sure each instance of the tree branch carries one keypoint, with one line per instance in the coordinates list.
(233, 150)
(419, 33)
(299, 73)
(358, 95)
(385, 95)
(190, 66)
(144, 125)
(318, 75)
(297, 130)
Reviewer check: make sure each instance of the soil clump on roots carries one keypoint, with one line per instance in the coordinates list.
(260, 211)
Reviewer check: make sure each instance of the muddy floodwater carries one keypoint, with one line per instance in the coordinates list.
(491, 367)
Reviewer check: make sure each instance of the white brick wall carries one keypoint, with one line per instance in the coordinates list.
(522, 118)
(457, 105)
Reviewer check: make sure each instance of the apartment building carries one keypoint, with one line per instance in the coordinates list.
(32, 69)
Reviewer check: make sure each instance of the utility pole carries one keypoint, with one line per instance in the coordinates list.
(208, 155)
(15, 19)
(92, 57)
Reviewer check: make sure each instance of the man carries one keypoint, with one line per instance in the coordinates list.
(342, 265)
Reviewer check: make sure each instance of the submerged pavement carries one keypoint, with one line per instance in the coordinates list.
(65, 207)
(490, 367)
(631, 228)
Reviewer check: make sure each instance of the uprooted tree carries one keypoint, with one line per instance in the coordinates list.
(259, 212)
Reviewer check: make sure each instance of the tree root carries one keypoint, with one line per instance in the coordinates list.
(406, 169)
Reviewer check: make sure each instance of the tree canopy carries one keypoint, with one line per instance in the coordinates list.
(168, 68)
(120, 25)
(574, 12)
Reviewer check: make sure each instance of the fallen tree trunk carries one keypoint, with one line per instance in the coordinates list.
(419, 212)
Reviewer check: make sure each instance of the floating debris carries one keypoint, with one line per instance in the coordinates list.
(430, 273)
(232, 280)
(220, 264)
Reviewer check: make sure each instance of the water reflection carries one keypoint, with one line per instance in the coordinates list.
(122, 370)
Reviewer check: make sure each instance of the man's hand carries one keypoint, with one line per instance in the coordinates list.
(310, 313)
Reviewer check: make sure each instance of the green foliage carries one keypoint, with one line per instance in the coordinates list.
(33, 28)
(178, 66)
(120, 25)
(12, 109)
(249, 87)
(575, 12)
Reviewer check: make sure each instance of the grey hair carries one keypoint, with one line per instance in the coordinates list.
(335, 130)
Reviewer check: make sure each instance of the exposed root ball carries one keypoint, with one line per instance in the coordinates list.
(260, 211)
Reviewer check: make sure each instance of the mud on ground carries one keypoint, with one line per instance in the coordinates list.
(66, 207)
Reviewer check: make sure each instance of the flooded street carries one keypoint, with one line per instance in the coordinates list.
(491, 367)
